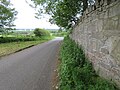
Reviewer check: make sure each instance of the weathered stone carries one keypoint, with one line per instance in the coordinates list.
(99, 34)
(104, 50)
(116, 52)
(101, 2)
(96, 3)
(105, 2)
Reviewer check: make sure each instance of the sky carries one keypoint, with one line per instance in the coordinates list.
(26, 17)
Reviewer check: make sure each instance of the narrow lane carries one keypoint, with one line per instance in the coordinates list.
(30, 69)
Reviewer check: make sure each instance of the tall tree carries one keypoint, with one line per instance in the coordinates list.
(7, 13)
(64, 13)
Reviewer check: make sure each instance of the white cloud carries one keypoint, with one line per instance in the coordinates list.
(26, 19)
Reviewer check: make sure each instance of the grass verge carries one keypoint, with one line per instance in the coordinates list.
(76, 72)
(8, 48)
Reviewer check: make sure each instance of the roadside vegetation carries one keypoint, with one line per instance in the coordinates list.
(41, 33)
(76, 72)
(8, 48)
(59, 33)
(16, 41)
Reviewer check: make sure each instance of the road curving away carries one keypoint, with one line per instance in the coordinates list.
(30, 69)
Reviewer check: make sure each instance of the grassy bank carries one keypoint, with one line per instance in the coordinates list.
(22, 39)
(8, 48)
(13, 41)
(16, 39)
(76, 72)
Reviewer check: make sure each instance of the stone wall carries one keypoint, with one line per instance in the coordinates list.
(98, 31)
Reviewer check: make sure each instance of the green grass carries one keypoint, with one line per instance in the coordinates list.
(8, 48)
(9, 39)
(12, 44)
(76, 72)
(17, 39)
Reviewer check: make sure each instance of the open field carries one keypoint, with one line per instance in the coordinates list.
(8, 48)
(19, 40)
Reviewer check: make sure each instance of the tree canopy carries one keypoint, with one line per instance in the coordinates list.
(7, 13)
(64, 13)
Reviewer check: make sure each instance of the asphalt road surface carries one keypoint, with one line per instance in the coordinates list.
(30, 69)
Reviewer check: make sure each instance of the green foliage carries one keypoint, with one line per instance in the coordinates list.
(8, 48)
(76, 72)
(1, 30)
(41, 32)
(7, 13)
(59, 34)
(22, 39)
(16, 39)
(23, 36)
(64, 13)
